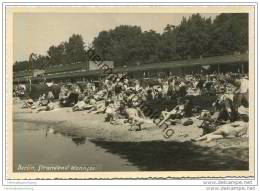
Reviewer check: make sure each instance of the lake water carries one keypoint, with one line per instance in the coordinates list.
(39, 145)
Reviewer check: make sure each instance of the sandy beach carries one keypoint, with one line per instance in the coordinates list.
(92, 126)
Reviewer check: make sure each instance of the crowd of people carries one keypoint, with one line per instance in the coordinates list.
(122, 100)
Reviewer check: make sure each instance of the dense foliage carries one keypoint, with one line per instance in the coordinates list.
(195, 36)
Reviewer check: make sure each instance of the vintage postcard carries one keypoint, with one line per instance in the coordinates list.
(130, 92)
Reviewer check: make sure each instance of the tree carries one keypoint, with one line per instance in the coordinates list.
(193, 36)
(120, 44)
(168, 45)
(42, 62)
(127, 45)
(229, 33)
(74, 49)
(57, 54)
(20, 66)
(149, 47)
(103, 44)
(32, 61)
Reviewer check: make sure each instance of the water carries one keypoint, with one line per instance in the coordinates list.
(40, 145)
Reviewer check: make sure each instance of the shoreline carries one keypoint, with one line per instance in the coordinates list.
(93, 126)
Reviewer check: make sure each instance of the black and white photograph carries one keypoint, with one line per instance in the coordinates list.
(131, 91)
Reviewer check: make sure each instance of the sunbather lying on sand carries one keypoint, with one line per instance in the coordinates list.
(48, 107)
(235, 129)
(98, 108)
(28, 104)
(85, 104)
(80, 106)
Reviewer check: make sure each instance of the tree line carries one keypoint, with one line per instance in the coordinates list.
(127, 45)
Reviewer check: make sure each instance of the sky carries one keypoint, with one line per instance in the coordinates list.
(36, 32)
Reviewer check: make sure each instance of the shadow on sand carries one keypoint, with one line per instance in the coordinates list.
(175, 156)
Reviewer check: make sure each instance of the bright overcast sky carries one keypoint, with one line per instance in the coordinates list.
(36, 32)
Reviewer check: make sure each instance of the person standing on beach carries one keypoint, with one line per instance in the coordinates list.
(241, 92)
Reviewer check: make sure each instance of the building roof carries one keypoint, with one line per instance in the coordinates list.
(75, 70)
(66, 68)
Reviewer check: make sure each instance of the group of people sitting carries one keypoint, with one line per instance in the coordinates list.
(44, 103)
(119, 99)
